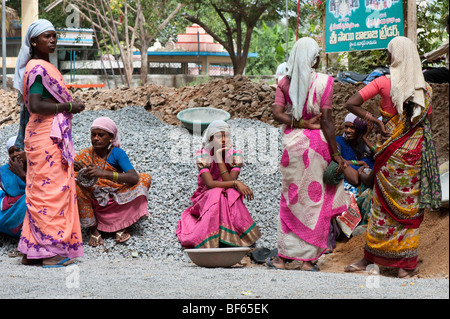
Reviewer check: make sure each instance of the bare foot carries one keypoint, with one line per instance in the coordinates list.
(407, 273)
(360, 265)
(26, 261)
(275, 262)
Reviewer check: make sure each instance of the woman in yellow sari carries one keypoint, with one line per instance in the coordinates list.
(405, 170)
(112, 196)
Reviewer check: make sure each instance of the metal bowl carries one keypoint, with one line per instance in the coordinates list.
(200, 117)
(217, 257)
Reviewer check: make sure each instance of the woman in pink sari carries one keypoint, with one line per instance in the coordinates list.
(307, 204)
(218, 215)
(51, 231)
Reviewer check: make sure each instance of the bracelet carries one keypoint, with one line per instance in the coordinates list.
(115, 176)
(225, 171)
(234, 183)
(56, 108)
(336, 154)
(374, 148)
(70, 108)
(367, 116)
(354, 162)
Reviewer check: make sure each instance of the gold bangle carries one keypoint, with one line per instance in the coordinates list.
(225, 171)
(116, 176)
(56, 108)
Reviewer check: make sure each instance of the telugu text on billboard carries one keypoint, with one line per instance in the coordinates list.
(353, 25)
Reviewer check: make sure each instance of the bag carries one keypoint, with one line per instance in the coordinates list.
(349, 219)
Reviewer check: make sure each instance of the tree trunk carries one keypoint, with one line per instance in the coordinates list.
(144, 65)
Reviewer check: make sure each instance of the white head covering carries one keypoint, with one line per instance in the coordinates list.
(35, 29)
(303, 56)
(213, 128)
(350, 117)
(10, 142)
(407, 81)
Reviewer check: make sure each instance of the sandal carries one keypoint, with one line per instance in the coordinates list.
(122, 236)
(98, 240)
(269, 263)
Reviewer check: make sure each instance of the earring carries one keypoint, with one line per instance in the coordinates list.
(110, 144)
(34, 44)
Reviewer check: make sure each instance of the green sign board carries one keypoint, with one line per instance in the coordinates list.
(355, 25)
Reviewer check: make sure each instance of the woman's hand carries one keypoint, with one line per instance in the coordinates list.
(77, 166)
(77, 106)
(383, 131)
(94, 171)
(313, 123)
(220, 153)
(244, 190)
(16, 165)
(341, 162)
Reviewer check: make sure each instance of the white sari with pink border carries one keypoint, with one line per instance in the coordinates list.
(307, 204)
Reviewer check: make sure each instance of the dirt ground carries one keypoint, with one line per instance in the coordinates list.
(243, 98)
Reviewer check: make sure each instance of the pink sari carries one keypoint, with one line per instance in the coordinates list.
(51, 225)
(307, 203)
(217, 215)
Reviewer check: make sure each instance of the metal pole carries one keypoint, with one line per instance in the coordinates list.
(4, 44)
(198, 53)
(287, 31)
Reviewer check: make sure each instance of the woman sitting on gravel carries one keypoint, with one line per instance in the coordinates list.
(12, 190)
(218, 216)
(112, 196)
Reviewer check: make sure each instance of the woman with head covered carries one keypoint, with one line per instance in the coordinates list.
(307, 204)
(112, 196)
(218, 216)
(51, 231)
(405, 170)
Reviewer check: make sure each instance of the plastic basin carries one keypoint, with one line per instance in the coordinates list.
(201, 117)
(217, 257)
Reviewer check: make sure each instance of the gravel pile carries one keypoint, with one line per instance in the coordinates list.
(166, 152)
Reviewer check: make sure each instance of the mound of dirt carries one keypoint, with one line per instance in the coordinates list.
(433, 249)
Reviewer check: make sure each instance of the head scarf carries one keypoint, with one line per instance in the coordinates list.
(359, 124)
(35, 29)
(407, 81)
(108, 125)
(300, 70)
(10, 142)
(213, 128)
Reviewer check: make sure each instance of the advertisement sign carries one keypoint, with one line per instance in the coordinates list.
(355, 25)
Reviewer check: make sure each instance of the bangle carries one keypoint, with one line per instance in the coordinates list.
(115, 176)
(298, 124)
(336, 154)
(234, 183)
(70, 108)
(374, 148)
(225, 171)
(354, 162)
(56, 108)
(367, 117)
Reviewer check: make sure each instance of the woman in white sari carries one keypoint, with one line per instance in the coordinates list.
(307, 205)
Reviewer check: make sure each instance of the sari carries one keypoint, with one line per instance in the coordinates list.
(12, 202)
(217, 215)
(51, 226)
(109, 205)
(401, 184)
(307, 204)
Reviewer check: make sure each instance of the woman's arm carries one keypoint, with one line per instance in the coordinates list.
(327, 125)
(280, 115)
(48, 106)
(130, 177)
(240, 186)
(354, 104)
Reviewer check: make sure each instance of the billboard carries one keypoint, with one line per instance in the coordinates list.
(355, 25)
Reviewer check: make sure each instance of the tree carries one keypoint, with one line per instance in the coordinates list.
(231, 23)
(130, 24)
